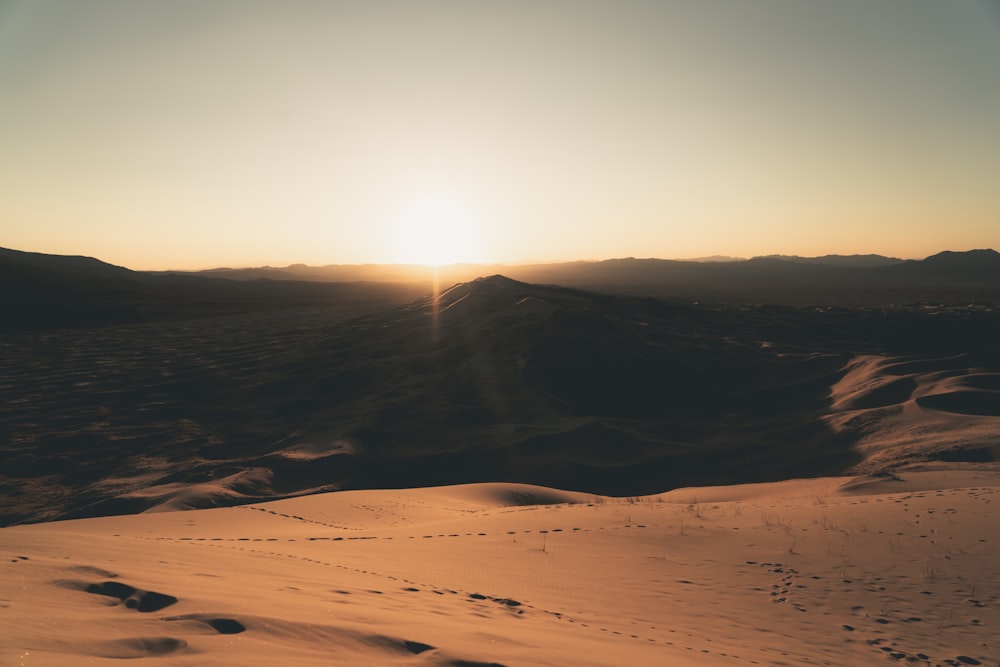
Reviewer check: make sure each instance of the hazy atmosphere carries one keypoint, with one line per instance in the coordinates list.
(193, 134)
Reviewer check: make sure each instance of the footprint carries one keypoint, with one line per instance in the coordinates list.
(134, 598)
(224, 626)
(417, 648)
(144, 601)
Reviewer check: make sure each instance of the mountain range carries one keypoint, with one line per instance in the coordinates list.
(974, 266)
(53, 291)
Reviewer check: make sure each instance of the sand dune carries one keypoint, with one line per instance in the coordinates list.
(834, 571)
(903, 409)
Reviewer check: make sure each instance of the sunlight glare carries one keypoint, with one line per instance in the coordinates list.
(435, 231)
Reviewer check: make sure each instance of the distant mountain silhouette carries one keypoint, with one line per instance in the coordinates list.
(986, 258)
(54, 291)
(76, 266)
(827, 280)
(42, 291)
(975, 267)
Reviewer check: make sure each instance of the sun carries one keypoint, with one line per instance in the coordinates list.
(435, 231)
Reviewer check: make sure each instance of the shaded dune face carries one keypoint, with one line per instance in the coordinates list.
(985, 403)
(489, 380)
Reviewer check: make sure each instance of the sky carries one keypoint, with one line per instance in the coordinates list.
(199, 133)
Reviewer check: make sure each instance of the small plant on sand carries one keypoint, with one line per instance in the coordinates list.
(948, 622)
(791, 548)
(860, 525)
(972, 586)
(771, 520)
(886, 609)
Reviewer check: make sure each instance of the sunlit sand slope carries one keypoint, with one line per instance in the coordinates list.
(905, 409)
(836, 571)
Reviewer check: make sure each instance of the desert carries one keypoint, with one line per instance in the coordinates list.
(507, 333)
(501, 473)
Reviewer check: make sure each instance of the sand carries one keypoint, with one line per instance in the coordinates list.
(833, 571)
(898, 410)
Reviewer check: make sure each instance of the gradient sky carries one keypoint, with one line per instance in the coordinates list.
(189, 134)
